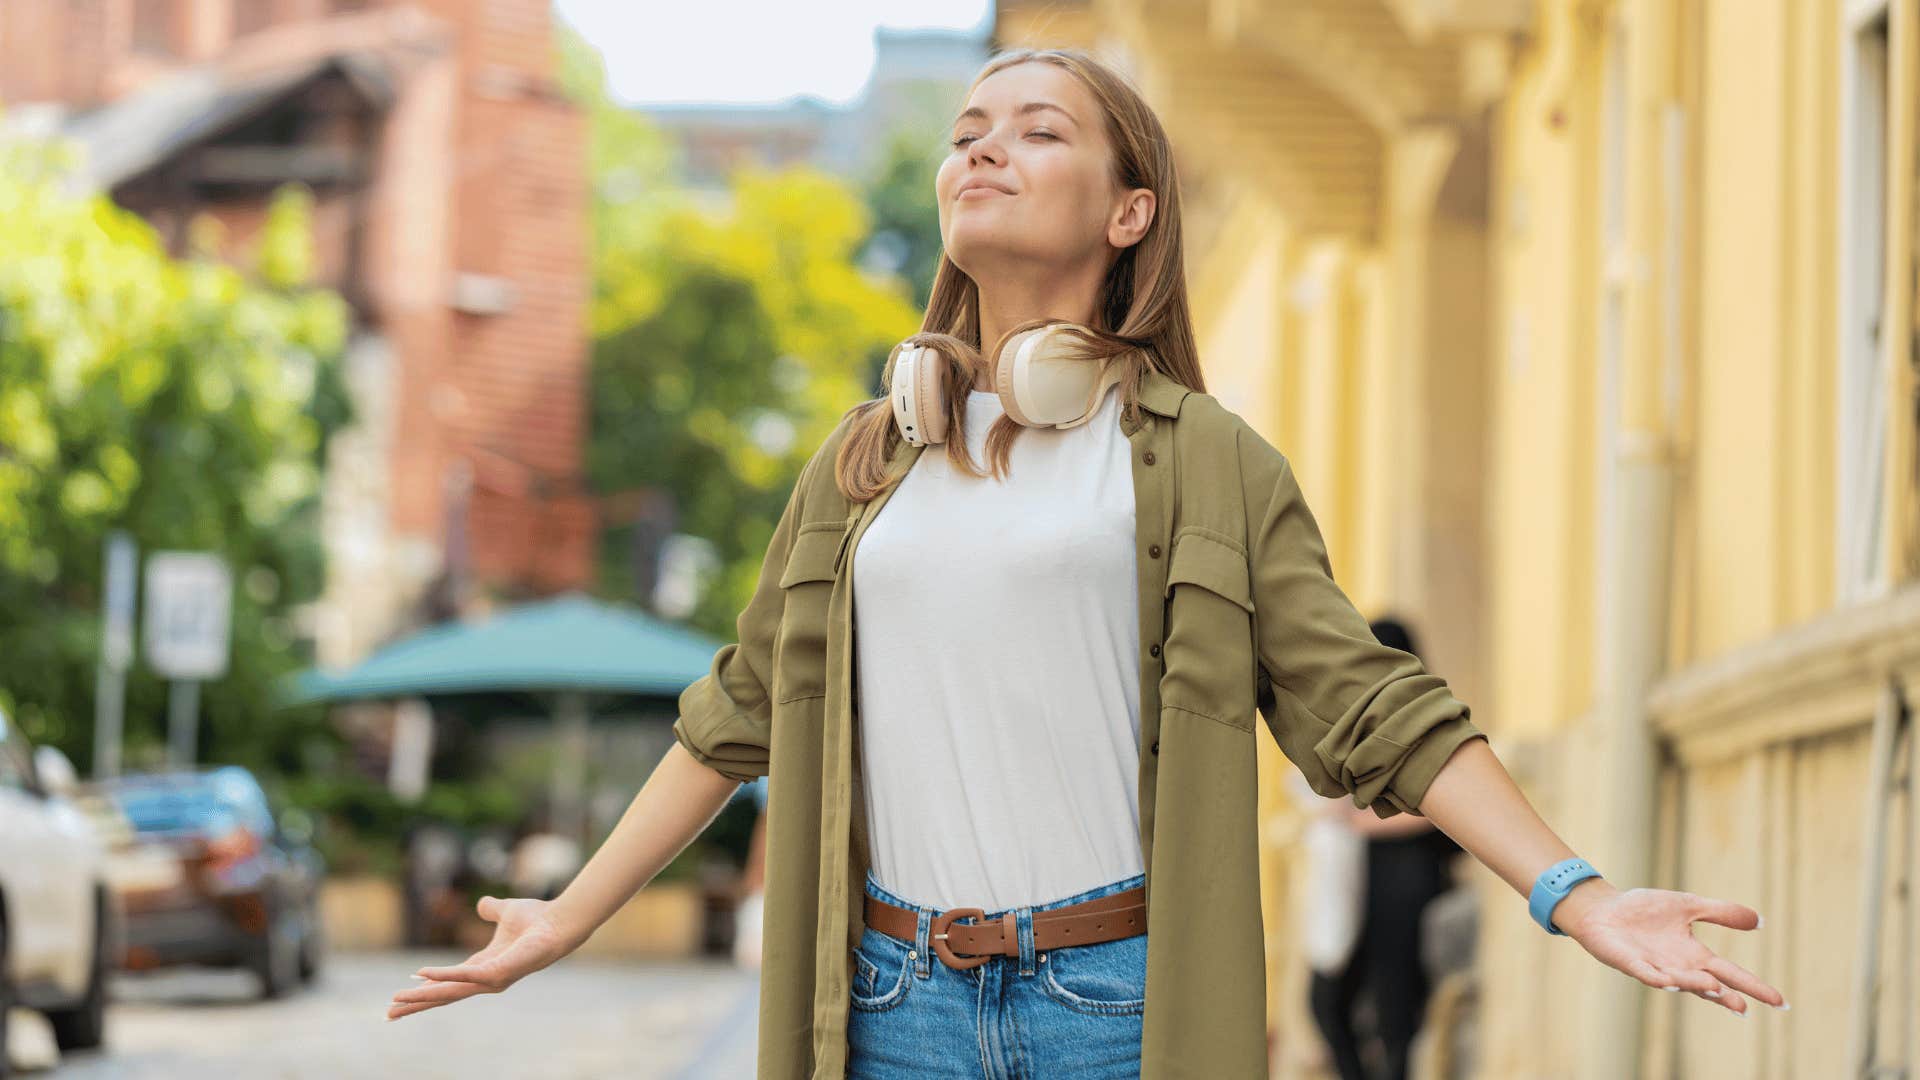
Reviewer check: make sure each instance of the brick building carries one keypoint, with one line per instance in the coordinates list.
(450, 209)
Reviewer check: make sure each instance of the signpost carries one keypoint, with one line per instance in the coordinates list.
(116, 652)
(188, 619)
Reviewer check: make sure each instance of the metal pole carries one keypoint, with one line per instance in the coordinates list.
(183, 708)
(109, 719)
(116, 652)
(570, 764)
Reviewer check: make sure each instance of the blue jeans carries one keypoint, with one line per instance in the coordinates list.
(1072, 1013)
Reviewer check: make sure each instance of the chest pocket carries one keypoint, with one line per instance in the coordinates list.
(800, 649)
(1208, 651)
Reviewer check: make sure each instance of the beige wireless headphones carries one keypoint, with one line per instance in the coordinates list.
(1043, 378)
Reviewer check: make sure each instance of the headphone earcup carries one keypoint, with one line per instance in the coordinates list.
(1045, 381)
(919, 396)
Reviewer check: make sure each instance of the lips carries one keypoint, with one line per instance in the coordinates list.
(980, 189)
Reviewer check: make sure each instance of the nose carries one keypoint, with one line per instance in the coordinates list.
(977, 149)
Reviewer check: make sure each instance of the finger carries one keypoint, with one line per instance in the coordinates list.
(1740, 978)
(489, 908)
(395, 1012)
(1725, 913)
(439, 992)
(1647, 973)
(485, 973)
(468, 970)
(1704, 986)
(1693, 980)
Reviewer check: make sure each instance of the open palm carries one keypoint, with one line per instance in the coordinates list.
(1648, 933)
(525, 939)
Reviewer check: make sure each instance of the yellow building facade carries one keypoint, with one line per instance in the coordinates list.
(1589, 327)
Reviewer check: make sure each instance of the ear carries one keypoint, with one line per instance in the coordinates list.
(1131, 217)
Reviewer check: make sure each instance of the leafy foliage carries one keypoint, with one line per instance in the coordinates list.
(185, 401)
(731, 332)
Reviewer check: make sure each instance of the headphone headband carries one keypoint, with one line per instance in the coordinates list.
(1042, 376)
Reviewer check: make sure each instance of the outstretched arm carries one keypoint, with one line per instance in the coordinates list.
(676, 804)
(1647, 933)
(1372, 722)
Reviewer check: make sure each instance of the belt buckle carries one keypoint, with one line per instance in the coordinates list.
(938, 935)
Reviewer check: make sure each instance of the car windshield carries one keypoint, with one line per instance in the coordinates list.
(176, 811)
(200, 805)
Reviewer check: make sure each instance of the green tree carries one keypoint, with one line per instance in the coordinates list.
(729, 335)
(184, 401)
(905, 218)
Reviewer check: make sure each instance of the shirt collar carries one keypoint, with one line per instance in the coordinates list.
(1161, 395)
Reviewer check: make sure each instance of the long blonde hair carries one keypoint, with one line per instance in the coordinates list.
(1141, 317)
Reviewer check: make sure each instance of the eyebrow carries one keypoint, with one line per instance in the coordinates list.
(1029, 107)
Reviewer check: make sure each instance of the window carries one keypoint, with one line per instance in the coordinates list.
(1861, 423)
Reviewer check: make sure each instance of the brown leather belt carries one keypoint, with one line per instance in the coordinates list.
(970, 944)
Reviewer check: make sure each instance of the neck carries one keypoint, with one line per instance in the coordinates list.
(1005, 304)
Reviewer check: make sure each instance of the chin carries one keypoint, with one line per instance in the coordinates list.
(970, 247)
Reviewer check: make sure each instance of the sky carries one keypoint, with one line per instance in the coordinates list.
(754, 51)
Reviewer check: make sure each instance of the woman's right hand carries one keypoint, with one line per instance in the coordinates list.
(526, 938)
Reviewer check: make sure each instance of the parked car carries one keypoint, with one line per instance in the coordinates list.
(210, 875)
(58, 925)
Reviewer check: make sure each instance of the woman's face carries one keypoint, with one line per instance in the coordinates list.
(1032, 141)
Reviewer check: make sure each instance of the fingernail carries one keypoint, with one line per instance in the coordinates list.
(1784, 1006)
(1673, 989)
(422, 978)
(1762, 922)
(1713, 993)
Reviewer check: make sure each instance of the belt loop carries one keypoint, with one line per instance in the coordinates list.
(1023, 918)
(922, 950)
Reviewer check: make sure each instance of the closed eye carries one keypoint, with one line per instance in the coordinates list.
(964, 139)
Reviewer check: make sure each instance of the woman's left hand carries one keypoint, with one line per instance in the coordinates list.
(1648, 933)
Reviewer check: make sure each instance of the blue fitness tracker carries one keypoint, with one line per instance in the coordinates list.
(1552, 886)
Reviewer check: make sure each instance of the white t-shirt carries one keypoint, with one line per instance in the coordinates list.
(999, 666)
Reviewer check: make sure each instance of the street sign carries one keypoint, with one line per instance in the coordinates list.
(189, 607)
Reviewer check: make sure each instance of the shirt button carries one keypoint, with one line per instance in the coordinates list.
(1153, 551)
(1154, 649)
(1147, 457)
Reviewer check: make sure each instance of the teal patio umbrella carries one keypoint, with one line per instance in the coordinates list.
(561, 650)
(572, 643)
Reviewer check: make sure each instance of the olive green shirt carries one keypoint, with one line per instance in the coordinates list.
(1239, 617)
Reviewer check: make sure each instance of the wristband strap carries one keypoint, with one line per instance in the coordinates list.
(1552, 886)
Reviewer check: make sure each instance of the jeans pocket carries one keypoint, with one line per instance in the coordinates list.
(1106, 978)
(882, 973)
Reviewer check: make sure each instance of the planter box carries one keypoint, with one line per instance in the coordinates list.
(662, 921)
(361, 912)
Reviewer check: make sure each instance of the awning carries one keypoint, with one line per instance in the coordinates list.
(572, 642)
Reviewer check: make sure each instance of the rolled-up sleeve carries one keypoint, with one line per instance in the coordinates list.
(1357, 717)
(726, 715)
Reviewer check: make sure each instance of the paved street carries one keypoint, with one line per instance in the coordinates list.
(581, 1018)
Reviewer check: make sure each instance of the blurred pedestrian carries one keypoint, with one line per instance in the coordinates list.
(753, 884)
(543, 859)
(434, 853)
(1379, 875)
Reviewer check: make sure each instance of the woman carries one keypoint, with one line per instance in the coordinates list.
(1003, 760)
